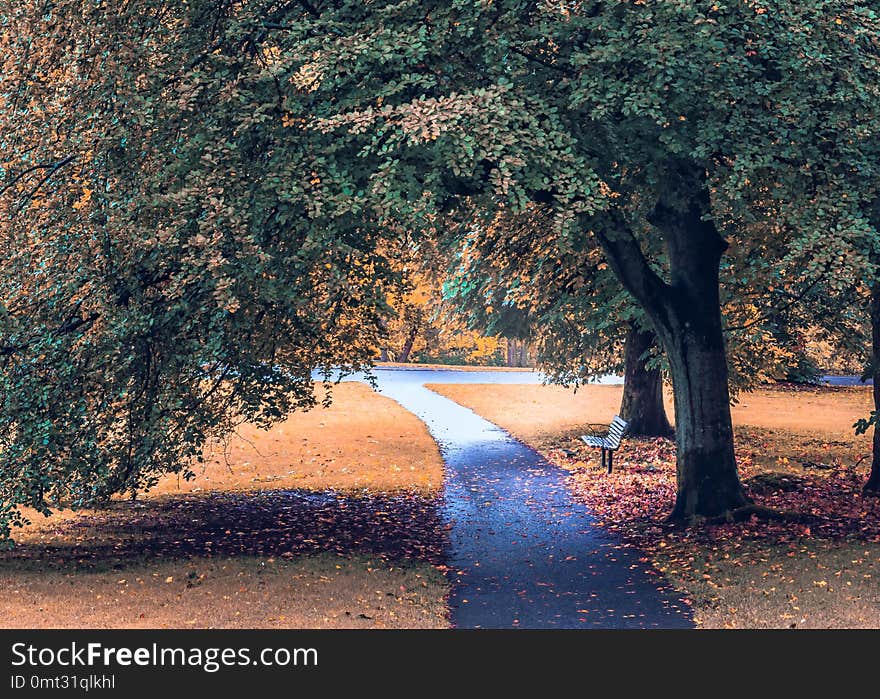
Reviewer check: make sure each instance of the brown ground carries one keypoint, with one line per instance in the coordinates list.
(808, 583)
(363, 441)
(745, 576)
(323, 591)
(533, 411)
(799, 425)
(236, 547)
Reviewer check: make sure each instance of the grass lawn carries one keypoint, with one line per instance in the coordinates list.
(326, 521)
(796, 451)
(451, 367)
(364, 441)
(320, 591)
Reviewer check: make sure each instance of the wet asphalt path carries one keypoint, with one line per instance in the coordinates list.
(522, 552)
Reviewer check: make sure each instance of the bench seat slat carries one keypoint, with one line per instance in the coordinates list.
(611, 441)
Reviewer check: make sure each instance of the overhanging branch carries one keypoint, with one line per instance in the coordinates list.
(50, 169)
(627, 259)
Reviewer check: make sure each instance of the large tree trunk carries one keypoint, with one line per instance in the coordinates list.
(707, 481)
(642, 403)
(691, 332)
(686, 316)
(872, 487)
(515, 352)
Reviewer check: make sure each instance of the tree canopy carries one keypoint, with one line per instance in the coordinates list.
(179, 257)
(198, 198)
(693, 141)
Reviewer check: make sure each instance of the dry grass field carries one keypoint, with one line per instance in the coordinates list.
(364, 441)
(329, 520)
(237, 548)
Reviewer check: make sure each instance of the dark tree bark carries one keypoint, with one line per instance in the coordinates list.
(642, 404)
(523, 354)
(872, 486)
(511, 352)
(686, 315)
(403, 357)
(517, 352)
(383, 352)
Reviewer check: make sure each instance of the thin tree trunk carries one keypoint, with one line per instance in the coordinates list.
(403, 357)
(383, 352)
(686, 315)
(642, 403)
(872, 486)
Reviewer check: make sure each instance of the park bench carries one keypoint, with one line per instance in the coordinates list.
(609, 441)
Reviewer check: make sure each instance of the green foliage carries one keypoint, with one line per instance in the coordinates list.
(188, 264)
(523, 276)
(618, 95)
(197, 196)
(862, 425)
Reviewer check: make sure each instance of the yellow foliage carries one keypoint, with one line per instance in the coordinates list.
(484, 347)
(84, 200)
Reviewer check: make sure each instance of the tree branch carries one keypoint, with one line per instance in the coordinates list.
(51, 167)
(793, 300)
(68, 326)
(627, 259)
(547, 64)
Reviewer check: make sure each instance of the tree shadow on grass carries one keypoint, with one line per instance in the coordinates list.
(282, 523)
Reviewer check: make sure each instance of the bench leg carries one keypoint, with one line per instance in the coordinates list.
(603, 457)
(610, 460)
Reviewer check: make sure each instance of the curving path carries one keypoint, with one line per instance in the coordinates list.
(523, 552)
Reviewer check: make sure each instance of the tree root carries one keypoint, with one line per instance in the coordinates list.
(741, 514)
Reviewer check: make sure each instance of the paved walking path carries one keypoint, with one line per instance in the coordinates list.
(523, 552)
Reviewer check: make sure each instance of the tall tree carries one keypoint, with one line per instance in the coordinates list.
(872, 485)
(239, 165)
(178, 258)
(658, 128)
(518, 277)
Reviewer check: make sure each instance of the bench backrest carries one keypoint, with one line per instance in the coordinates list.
(616, 430)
